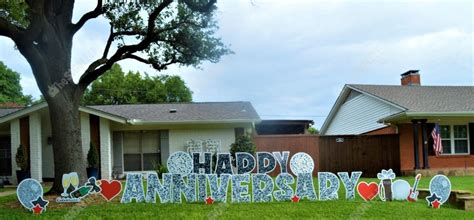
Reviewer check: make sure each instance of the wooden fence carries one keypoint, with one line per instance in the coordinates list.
(292, 143)
(366, 153)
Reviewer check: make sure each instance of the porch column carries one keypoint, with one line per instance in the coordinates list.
(415, 143)
(36, 160)
(85, 135)
(105, 150)
(15, 143)
(424, 144)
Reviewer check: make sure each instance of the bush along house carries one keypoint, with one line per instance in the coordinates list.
(411, 111)
(128, 138)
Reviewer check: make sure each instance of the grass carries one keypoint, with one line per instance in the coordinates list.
(342, 208)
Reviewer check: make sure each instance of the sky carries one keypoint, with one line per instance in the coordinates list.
(292, 58)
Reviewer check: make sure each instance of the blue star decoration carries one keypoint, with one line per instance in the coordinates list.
(39, 205)
(432, 198)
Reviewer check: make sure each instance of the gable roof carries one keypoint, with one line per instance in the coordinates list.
(412, 100)
(184, 112)
(424, 98)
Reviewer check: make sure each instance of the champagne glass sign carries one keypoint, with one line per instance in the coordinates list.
(74, 179)
(69, 179)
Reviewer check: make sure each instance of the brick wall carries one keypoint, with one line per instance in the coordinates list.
(407, 153)
(386, 130)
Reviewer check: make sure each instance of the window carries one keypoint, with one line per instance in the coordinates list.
(141, 150)
(455, 139)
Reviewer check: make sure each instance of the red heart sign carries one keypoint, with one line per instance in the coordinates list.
(110, 189)
(368, 191)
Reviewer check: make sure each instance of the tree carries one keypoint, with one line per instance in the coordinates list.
(10, 88)
(313, 130)
(116, 87)
(159, 33)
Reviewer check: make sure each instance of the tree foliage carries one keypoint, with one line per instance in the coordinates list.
(159, 33)
(117, 87)
(313, 130)
(10, 88)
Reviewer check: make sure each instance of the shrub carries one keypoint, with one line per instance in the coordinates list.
(243, 143)
(93, 156)
(160, 169)
(22, 158)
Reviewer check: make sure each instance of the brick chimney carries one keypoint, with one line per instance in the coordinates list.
(411, 78)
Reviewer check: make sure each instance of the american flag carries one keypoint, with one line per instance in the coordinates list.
(436, 135)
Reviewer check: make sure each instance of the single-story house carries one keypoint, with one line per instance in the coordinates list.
(411, 111)
(282, 127)
(128, 137)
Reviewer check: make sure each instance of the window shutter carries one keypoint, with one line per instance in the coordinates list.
(429, 129)
(471, 137)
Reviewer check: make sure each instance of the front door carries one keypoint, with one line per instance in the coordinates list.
(5, 156)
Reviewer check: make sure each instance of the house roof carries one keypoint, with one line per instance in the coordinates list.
(6, 111)
(184, 112)
(424, 98)
(270, 127)
(196, 112)
(413, 100)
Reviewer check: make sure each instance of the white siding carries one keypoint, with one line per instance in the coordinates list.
(85, 134)
(179, 137)
(359, 115)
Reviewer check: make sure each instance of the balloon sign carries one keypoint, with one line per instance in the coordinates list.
(30, 195)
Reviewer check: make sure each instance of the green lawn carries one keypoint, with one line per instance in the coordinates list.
(305, 209)
(6, 189)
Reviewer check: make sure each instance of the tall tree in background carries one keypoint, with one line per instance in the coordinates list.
(116, 87)
(10, 88)
(159, 33)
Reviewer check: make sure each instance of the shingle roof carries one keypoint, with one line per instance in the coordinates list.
(6, 111)
(199, 111)
(425, 98)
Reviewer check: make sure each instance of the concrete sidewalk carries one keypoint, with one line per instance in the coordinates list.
(7, 193)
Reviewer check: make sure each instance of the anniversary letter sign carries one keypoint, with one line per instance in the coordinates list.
(193, 178)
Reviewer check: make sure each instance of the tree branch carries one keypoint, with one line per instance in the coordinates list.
(87, 16)
(9, 30)
(90, 75)
(109, 42)
(151, 62)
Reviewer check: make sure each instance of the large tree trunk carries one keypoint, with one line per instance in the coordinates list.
(50, 61)
(67, 146)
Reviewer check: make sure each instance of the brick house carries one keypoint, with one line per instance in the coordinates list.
(411, 111)
(129, 138)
